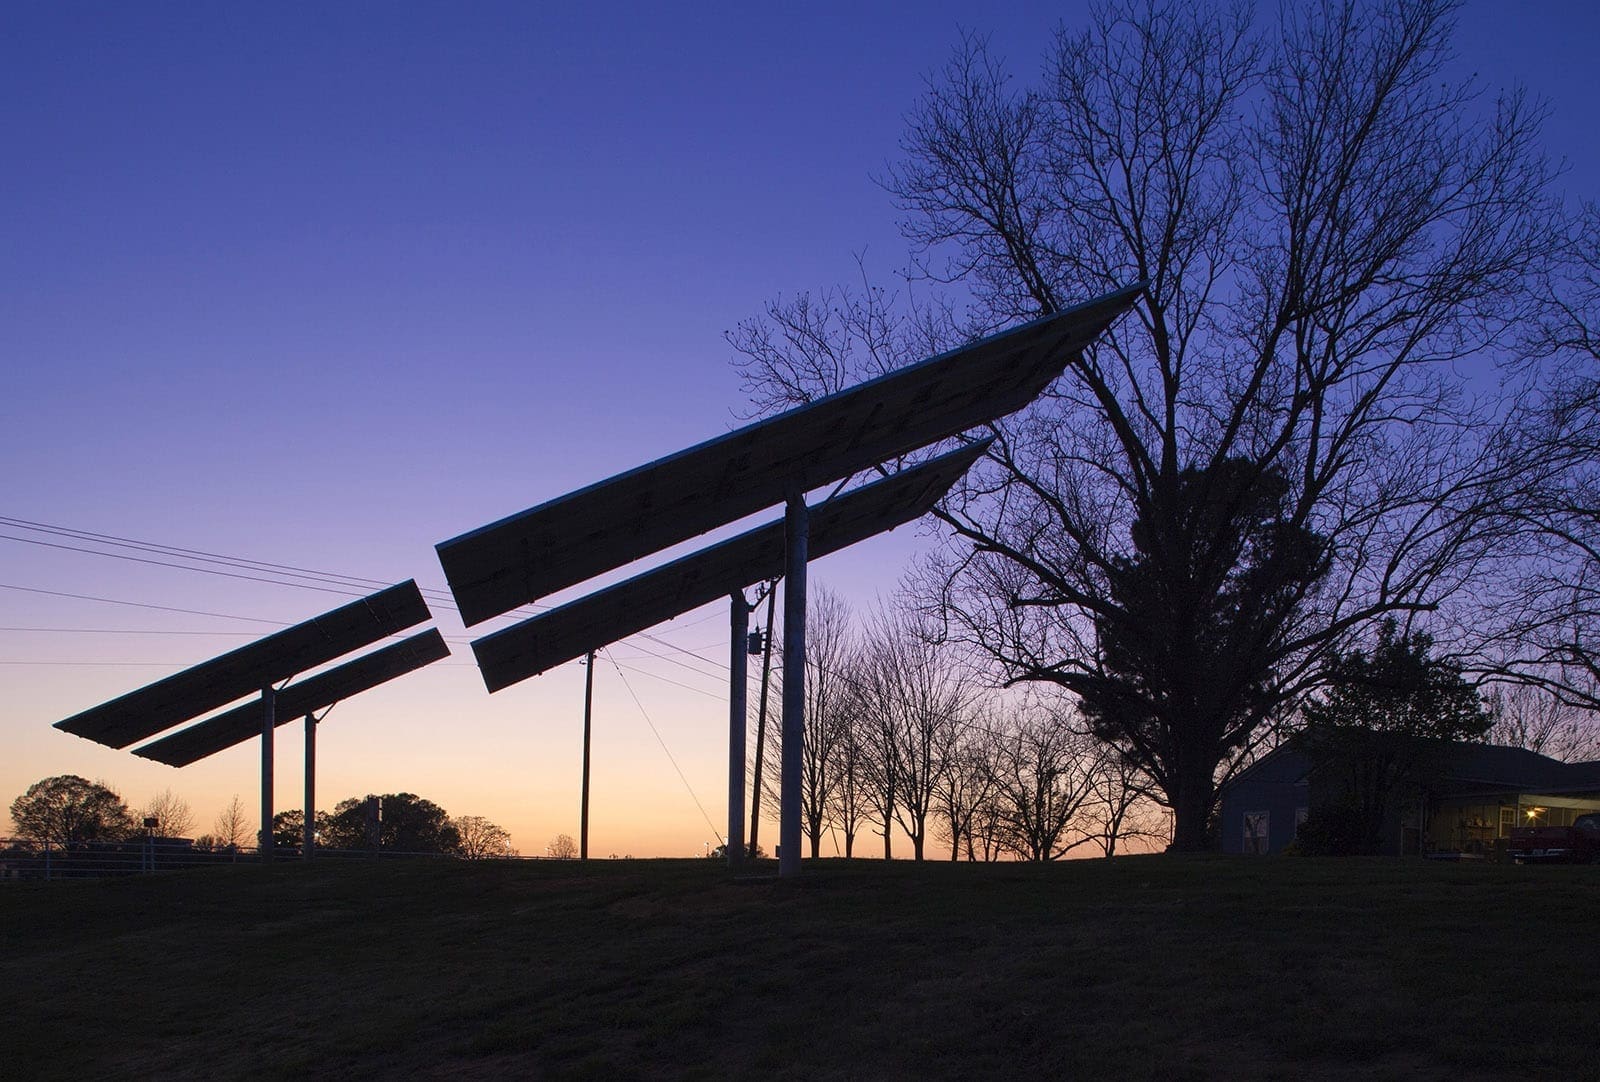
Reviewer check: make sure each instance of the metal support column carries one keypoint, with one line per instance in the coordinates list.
(796, 521)
(588, 707)
(308, 841)
(738, 651)
(269, 722)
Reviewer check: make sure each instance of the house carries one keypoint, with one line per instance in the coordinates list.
(1468, 811)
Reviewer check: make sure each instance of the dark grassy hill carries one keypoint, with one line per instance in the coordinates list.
(1144, 967)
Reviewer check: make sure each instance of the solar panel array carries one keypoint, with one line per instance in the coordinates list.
(613, 522)
(244, 722)
(204, 687)
(544, 641)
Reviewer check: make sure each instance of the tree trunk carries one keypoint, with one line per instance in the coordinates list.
(1191, 812)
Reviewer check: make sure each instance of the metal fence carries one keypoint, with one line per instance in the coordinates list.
(26, 859)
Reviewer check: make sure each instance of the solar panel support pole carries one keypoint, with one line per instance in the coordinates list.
(588, 708)
(738, 652)
(796, 521)
(308, 839)
(268, 723)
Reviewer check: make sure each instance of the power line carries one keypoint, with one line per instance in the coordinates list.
(668, 680)
(348, 592)
(173, 550)
(140, 604)
(354, 584)
(119, 631)
(664, 748)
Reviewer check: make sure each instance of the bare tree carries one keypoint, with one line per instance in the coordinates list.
(481, 839)
(1043, 778)
(1533, 717)
(1276, 448)
(967, 786)
(829, 700)
(174, 818)
(849, 804)
(1119, 809)
(233, 827)
(1541, 618)
(562, 847)
(878, 749)
(917, 695)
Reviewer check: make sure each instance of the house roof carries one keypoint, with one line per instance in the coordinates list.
(1474, 766)
(1518, 768)
(1281, 766)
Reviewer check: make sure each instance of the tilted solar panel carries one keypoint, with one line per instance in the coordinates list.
(295, 701)
(214, 683)
(563, 633)
(613, 522)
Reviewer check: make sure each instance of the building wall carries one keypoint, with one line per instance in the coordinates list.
(1283, 803)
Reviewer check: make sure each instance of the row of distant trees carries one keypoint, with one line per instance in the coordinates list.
(1361, 384)
(68, 812)
(904, 736)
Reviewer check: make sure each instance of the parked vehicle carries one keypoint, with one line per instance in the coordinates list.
(1577, 844)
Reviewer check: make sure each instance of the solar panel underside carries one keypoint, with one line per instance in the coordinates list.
(297, 700)
(613, 522)
(544, 641)
(220, 681)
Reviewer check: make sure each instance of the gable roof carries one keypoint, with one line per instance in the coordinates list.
(1473, 767)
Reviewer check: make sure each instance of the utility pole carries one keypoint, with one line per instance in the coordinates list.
(588, 708)
(738, 722)
(761, 718)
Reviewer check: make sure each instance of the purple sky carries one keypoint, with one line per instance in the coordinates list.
(327, 285)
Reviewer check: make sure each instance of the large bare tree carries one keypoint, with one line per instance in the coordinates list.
(1541, 624)
(1279, 445)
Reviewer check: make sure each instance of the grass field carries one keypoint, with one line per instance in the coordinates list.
(1143, 967)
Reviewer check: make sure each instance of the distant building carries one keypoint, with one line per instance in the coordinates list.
(1484, 790)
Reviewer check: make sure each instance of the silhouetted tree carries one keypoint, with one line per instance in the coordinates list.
(563, 847)
(172, 814)
(1326, 223)
(829, 700)
(408, 824)
(916, 697)
(288, 829)
(968, 783)
(849, 805)
(1385, 723)
(1043, 777)
(67, 811)
(481, 839)
(1534, 717)
(232, 827)
(1540, 621)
